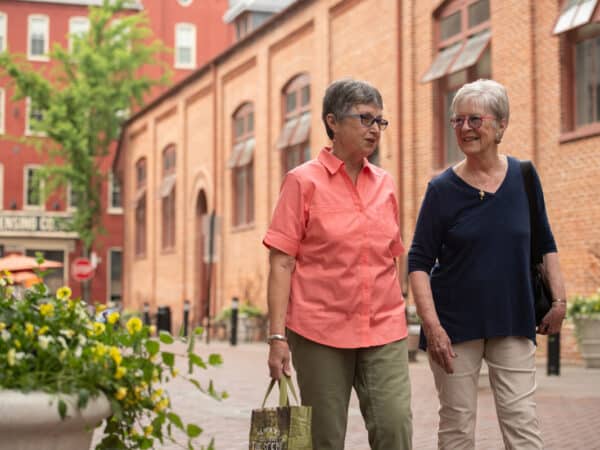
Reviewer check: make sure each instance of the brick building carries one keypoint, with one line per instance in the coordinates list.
(194, 30)
(238, 123)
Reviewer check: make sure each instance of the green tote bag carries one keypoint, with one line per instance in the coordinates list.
(285, 427)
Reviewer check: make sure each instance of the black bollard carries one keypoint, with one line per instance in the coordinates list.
(234, 320)
(553, 354)
(146, 313)
(163, 319)
(186, 316)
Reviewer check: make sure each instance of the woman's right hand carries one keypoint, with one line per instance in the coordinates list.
(440, 347)
(279, 359)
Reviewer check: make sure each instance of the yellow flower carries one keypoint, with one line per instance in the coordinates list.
(113, 317)
(100, 349)
(120, 372)
(99, 328)
(11, 356)
(134, 325)
(115, 354)
(43, 330)
(64, 293)
(121, 393)
(152, 330)
(100, 308)
(29, 330)
(17, 343)
(161, 405)
(47, 309)
(148, 430)
(174, 372)
(62, 355)
(155, 376)
(157, 394)
(2, 326)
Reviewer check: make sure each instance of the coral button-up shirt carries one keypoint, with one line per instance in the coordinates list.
(345, 290)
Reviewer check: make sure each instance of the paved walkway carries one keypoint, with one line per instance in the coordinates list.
(568, 405)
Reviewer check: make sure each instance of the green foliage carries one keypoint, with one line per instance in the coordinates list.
(244, 310)
(84, 96)
(584, 306)
(50, 342)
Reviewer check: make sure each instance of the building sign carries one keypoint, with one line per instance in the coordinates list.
(34, 223)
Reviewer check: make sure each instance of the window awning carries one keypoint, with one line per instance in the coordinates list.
(471, 52)
(247, 153)
(302, 130)
(286, 133)
(459, 56)
(167, 185)
(235, 154)
(441, 63)
(139, 195)
(576, 14)
(242, 153)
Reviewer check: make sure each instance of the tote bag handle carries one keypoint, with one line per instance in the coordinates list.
(285, 383)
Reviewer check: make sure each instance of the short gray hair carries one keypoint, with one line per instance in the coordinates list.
(488, 94)
(342, 95)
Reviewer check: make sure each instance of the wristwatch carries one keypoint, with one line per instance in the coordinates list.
(276, 337)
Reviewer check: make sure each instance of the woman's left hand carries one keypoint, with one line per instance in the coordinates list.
(552, 321)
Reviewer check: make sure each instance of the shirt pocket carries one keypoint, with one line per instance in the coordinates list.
(333, 222)
(384, 221)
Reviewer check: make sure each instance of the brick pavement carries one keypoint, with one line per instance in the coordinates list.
(568, 406)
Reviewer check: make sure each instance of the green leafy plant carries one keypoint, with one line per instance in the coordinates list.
(584, 306)
(244, 310)
(50, 342)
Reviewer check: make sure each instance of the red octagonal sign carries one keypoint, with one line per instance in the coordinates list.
(82, 269)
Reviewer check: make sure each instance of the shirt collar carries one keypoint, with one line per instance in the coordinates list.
(333, 164)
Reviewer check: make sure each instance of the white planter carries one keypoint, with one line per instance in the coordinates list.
(31, 421)
(588, 335)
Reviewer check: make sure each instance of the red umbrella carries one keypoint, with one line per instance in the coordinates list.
(15, 263)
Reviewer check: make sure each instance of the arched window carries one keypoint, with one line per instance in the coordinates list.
(241, 163)
(294, 141)
(167, 195)
(463, 54)
(140, 207)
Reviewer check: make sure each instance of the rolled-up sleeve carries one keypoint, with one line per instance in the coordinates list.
(288, 223)
(427, 238)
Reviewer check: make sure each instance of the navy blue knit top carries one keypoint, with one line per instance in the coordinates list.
(477, 252)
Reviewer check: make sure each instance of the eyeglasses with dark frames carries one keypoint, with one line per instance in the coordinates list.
(474, 121)
(367, 120)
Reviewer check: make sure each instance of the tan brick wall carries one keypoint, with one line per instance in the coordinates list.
(391, 44)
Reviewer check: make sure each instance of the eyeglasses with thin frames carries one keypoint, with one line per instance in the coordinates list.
(367, 120)
(475, 121)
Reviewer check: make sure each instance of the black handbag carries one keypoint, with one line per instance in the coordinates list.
(542, 297)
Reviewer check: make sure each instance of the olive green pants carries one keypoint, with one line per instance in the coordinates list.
(379, 375)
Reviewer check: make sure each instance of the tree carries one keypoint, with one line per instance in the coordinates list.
(84, 99)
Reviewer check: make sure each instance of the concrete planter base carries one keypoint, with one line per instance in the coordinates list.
(31, 421)
(588, 335)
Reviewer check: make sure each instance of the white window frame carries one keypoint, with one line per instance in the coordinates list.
(109, 270)
(73, 23)
(191, 27)
(46, 31)
(110, 185)
(26, 205)
(28, 130)
(185, 2)
(2, 109)
(3, 33)
(70, 207)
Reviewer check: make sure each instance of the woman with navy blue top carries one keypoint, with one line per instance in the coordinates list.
(469, 272)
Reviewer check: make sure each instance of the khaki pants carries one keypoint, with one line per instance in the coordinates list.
(511, 363)
(379, 375)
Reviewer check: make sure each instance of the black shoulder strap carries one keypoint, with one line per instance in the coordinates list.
(527, 173)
